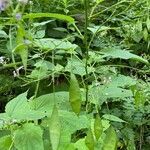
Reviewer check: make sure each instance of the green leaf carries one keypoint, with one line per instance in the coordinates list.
(98, 128)
(80, 145)
(51, 44)
(89, 140)
(123, 54)
(17, 105)
(55, 129)
(28, 137)
(68, 120)
(112, 118)
(76, 66)
(122, 81)
(75, 94)
(49, 15)
(5, 142)
(110, 141)
(19, 108)
(45, 103)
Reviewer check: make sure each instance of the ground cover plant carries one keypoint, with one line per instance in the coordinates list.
(74, 75)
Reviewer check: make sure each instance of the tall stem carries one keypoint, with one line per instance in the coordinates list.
(86, 45)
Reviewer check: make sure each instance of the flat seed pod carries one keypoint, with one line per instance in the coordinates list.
(74, 95)
(54, 129)
(89, 140)
(98, 128)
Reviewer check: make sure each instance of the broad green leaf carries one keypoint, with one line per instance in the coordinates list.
(68, 120)
(110, 141)
(17, 105)
(121, 81)
(112, 118)
(55, 129)
(98, 128)
(99, 94)
(123, 54)
(19, 108)
(5, 142)
(51, 44)
(69, 126)
(28, 137)
(46, 102)
(49, 15)
(77, 66)
(89, 140)
(75, 94)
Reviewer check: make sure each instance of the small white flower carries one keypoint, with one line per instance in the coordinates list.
(16, 72)
(2, 60)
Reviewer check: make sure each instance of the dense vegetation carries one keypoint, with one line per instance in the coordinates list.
(75, 75)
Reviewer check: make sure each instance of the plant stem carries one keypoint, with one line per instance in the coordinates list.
(11, 47)
(86, 46)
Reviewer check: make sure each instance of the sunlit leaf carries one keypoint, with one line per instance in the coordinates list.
(123, 54)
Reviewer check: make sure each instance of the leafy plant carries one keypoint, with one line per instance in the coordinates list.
(74, 75)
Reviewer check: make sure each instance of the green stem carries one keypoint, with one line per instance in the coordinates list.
(77, 29)
(11, 48)
(53, 75)
(86, 46)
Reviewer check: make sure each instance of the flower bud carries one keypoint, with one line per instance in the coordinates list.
(3, 4)
(18, 16)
